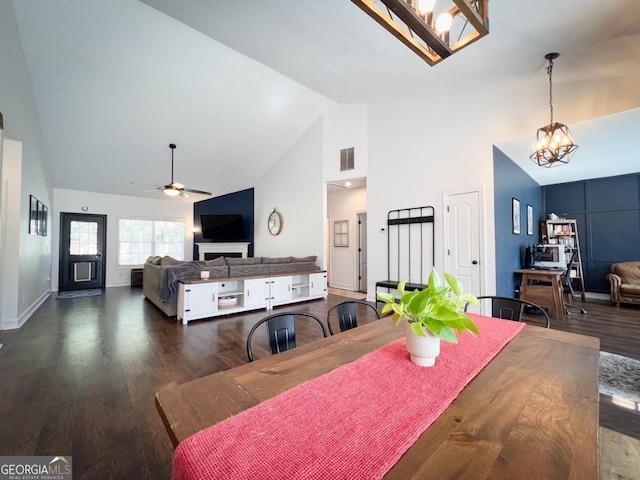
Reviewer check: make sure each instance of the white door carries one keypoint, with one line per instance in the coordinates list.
(462, 240)
(362, 252)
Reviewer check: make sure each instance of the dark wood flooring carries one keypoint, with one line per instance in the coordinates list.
(79, 378)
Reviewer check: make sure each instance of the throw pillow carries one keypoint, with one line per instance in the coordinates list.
(310, 258)
(216, 262)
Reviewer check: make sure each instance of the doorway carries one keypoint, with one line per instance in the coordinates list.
(82, 251)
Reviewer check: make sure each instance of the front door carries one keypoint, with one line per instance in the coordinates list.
(82, 251)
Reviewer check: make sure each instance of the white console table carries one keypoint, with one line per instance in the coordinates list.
(230, 247)
(199, 298)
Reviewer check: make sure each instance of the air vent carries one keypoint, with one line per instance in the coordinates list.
(346, 159)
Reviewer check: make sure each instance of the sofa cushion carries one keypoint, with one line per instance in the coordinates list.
(242, 261)
(310, 258)
(275, 260)
(217, 271)
(216, 262)
(629, 272)
(248, 270)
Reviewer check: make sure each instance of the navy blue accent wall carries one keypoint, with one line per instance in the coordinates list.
(510, 181)
(239, 202)
(608, 215)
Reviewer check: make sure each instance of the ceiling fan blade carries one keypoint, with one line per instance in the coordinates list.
(154, 190)
(183, 194)
(147, 185)
(177, 185)
(201, 192)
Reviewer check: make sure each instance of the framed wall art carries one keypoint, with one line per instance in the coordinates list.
(38, 216)
(529, 220)
(33, 215)
(515, 215)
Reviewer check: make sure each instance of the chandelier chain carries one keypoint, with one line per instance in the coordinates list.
(549, 72)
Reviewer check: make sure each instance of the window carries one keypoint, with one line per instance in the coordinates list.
(83, 238)
(140, 239)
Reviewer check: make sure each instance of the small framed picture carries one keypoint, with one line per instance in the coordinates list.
(515, 215)
(33, 215)
(529, 220)
(39, 218)
(44, 221)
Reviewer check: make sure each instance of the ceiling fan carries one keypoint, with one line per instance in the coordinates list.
(174, 189)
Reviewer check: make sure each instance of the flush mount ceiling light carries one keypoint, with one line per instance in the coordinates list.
(554, 143)
(412, 22)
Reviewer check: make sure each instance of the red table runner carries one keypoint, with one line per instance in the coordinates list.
(354, 422)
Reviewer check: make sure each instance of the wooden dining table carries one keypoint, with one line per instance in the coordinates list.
(532, 412)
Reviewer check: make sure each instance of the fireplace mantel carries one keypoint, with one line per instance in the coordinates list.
(230, 247)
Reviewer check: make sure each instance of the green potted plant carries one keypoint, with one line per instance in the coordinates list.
(431, 314)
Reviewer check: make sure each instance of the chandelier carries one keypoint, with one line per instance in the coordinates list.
(554, 143)
(411, 22)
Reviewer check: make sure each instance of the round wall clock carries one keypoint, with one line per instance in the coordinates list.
(274, 223)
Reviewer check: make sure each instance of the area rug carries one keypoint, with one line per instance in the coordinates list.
(79, 293)
(619, 376)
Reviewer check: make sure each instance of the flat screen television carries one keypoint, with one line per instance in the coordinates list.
(222, 228)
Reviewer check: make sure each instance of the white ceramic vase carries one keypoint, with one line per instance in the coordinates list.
(423, 350)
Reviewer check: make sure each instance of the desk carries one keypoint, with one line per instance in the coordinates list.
(549, 294)
(531, 413)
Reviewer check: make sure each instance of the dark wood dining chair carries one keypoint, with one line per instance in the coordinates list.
(281, 331)
(347, 314)
(508, 308)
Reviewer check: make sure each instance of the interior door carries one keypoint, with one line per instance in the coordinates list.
(362, 252)
(463, 239)
(82, 251)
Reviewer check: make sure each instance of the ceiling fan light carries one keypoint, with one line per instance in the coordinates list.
(171, 191)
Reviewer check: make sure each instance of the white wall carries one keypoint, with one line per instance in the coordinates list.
(420, 150)
(344, 126)
(115, 206)
(345, 204)
(294, 187)
(30, 279)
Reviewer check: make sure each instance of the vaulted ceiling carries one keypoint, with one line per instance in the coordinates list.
(235, 84)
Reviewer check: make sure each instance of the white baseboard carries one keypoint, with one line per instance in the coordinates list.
(597, 296)
(13, 323)
(341, 286)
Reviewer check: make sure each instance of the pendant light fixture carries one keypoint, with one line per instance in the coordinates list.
(554, 143)
(432, 29)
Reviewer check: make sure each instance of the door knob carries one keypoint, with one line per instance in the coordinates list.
(474, 262)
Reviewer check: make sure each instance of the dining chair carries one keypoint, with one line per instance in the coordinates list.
(281, 331)
(508, 308)
(347, 314)
(567, 286)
